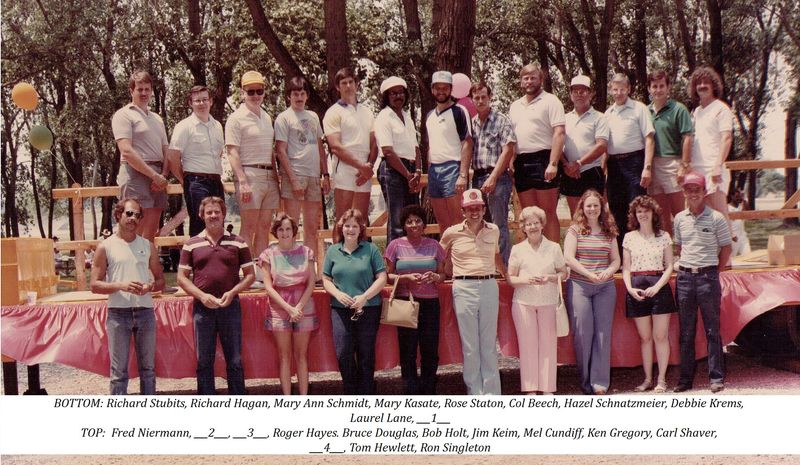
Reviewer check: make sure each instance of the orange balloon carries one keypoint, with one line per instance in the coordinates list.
(25, 96)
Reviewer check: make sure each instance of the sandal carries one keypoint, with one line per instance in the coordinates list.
(661, 387)
(645, 386)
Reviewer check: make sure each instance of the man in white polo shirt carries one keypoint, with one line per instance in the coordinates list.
(538, 121)
(249, 137)
(585, 144)
(631, 143)
(348, 128)
(401, 167)
(195, 155)
(449, 151)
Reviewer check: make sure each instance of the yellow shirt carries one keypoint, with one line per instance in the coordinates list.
(472, 255)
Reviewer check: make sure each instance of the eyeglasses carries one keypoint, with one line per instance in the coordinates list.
(201, 100)
(252, 92)
(399, 93)
(133, 214)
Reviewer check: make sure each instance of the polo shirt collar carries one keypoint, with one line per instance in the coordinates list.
(706, 211)
(628, 104)
(136, 107)
(246, 111)
(586, 113)
(358, 246)
(667, 106)
(436, 110)
(346, 105)
(484, 225)
(535, 99)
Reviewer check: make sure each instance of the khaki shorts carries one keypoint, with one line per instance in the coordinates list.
(665, 176)
(264, 186)
(312, 192)
(135, 185)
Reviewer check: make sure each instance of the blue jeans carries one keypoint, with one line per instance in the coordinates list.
(396, 195)
(426, 336)
(355, 348)
(591, 313)
(121, 324)
(475, 303)
(497, 211)
(227, 322)
(624, 176)
(195, 189)
(703, 290)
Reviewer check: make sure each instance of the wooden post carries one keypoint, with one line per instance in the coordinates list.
(76, 203)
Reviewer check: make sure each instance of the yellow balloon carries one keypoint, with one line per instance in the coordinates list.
(41, 138)
(25, 96)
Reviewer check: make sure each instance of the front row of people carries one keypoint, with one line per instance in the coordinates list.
(354, 274)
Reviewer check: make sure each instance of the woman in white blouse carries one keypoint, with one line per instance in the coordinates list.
(646, 270)
(535, 270)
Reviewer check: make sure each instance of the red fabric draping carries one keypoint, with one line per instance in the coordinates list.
(74, 333)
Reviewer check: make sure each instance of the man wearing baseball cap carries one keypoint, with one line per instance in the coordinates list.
(401, 167)
(473, 250)
(248, 138)
(585, 144)
(449, 150)
(704, 242)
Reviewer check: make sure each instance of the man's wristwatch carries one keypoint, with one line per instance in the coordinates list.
(647, 167)
(685, 164)
(554, 164)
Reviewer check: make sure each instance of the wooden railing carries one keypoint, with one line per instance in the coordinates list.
(788, 210)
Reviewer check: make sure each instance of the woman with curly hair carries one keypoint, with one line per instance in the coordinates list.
(646, 269)
(591, 252)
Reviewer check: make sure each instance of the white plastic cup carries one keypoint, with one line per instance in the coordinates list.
(32, 297)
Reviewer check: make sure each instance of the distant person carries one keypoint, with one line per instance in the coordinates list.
(737, 203)
(229, 228)
(196, 155)
(348, 128)
(142, 141)
(209, 272)
(704, 244)
(126, 267)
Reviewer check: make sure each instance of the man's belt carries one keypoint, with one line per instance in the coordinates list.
(202, 175)
(622, 156)
(261, 167)
(483, 171)
(700, 270)
(486, 276)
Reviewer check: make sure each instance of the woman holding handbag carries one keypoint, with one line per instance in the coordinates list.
(416, 263)
(535, 269)
(354, 274)
(646, 269)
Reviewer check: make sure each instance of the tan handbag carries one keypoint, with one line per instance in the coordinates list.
(562, 320)
(400, 312)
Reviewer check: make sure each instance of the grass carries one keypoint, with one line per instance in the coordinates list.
(759, 231)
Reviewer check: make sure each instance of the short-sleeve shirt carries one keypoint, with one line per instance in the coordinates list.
(288, 268)
(353, 122)
(647, 254)
(628, 125)
(593, 251)
(709, 123)
(128, 261)
(401, 135)
(471, 254)
(215, 268)
(490, 138)
(446, 131)
(545, 260)
(533, 121)
(701, 237)
(671, 123)
(200, 144)
(145, 129)
(353, 273)
(420, 258)
(253, 134)
(302, 133)
(582, 133)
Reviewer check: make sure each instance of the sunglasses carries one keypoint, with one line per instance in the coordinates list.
(252, 92)
(133, 214)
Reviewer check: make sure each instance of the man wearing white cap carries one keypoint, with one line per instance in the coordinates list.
(585, 144)
(401, 167)
(449, 150)
(249, 137)
(473, 249)
(348, 128)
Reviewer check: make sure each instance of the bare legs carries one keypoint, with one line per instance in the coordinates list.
(293, 345)
(650, 329)
(547, 200)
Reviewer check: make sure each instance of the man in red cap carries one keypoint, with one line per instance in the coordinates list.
(473, 249)
(704, 242)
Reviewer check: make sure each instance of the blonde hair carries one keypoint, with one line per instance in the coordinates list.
(528, 213)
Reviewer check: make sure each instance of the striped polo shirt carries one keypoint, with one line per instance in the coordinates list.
(701, 237)
(593, 251)
(215, 267)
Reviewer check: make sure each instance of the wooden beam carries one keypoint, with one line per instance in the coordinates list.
(792, 201)
(745, 165)
(765, 214)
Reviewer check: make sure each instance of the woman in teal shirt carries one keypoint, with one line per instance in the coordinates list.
(354, 274)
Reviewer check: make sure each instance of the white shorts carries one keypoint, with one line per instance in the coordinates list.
(665, 176)
(711, 186)
(344, 176)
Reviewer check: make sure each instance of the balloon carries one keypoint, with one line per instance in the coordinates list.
(461, 85)
(25, 96)
(41, 138)
(467, 103)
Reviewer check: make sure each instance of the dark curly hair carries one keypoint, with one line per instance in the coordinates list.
(607, 223)
(702, 73)
(412, 210)
(278, 221)
(645, 201)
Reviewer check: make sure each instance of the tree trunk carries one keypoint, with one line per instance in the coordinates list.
(36, 201)
(790, 151)
(598, 46)
(640, 52)
(336, 44)
(455, 35)
(686, 39)
(716, 52)
(544, 62)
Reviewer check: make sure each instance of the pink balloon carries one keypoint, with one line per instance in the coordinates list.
(467, 103)
(461, 85)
